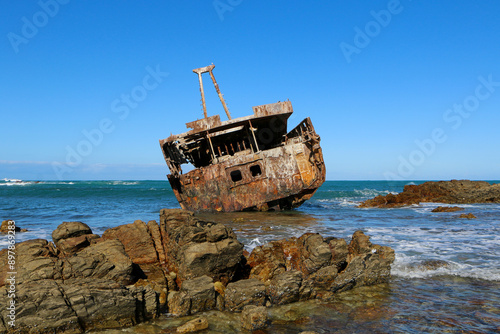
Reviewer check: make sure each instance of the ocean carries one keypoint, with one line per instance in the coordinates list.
(446, 276)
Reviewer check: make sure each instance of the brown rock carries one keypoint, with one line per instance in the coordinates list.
(452, 192)
(35, 260)
(140, 247)
(253, 317)
(468, 216)
(154, 231)
(194, 325)
(72, 245)
(195, 248)
(70, 230)
(201, 292)
(220, 288)
(106, 259)
(102, 303)
(367, 264)
(284, 288)
(78, 305)
(245, 292)
(87, 279)
(10, 225)
(360, 244)
(159, 290)
(316, 252)
(179, 303)
(267, 261)
(38, 301)
(307, 254)
(319, 284)
(447, 209)
(137, 241)
(339, 251)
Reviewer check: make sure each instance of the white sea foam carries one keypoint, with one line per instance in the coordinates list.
(373, 192)
(466, 249)
(252, 244)
(21, 183)
(412, 267)
(125, 183)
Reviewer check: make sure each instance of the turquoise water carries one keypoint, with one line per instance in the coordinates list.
(459, 294)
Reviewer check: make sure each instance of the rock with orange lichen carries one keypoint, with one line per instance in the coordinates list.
(451, 192)
(314, 267)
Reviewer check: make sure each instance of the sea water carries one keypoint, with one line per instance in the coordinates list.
(446, 276)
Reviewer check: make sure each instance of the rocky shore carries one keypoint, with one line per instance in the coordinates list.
(183, 265)
(450, 192)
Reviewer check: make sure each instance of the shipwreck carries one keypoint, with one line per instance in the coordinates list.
(246, 163)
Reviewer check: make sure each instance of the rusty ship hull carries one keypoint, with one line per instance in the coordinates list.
(247, 163)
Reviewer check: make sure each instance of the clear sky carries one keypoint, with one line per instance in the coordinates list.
(396, 89)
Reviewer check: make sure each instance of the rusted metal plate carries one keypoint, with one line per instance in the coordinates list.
(204, 123)
(249, 163)
(273, 109)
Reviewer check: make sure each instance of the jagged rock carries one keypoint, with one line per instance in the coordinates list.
(195, 248)
(245, 292)
(317, 252)
(220, 290)
(161, 293)
(253, 317)
(339, 250)
(360, 244)
(451, 192)
(194, 325)
(284, 288)
(179, 303)
(467, 216)
(103, 303)
(319, 284)
(78, 305)
(85, 282)
(9, 225)
(72, 245)
(368, 264)
(307, 254)
(359, 263)
(154, 231)
(267, 261)
(447, 209)
(106, 259)
(41, 307)
(140, 247)
(36, 260)
(201, 292)
(136, 240)
(70, 230)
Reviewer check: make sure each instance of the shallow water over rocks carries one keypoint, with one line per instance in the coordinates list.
(445, 305)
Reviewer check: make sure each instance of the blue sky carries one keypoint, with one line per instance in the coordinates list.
(396, 89)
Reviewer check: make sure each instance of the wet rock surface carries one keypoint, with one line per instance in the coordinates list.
(182, 266)
(194, 325)
(451, 192)
(9, 225)
(447, 209)
(254, 317)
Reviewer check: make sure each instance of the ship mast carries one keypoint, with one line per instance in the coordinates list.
(209, 69)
